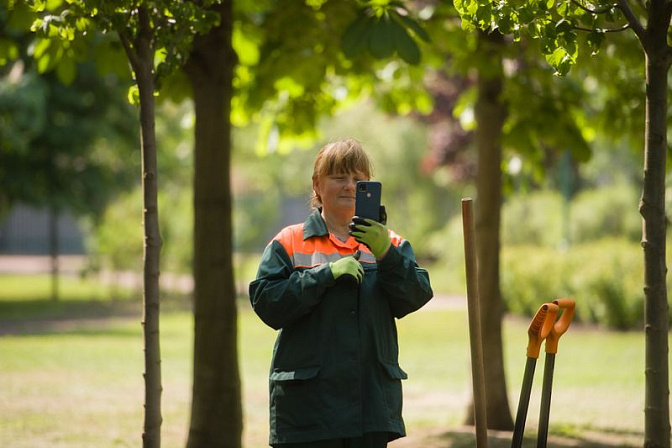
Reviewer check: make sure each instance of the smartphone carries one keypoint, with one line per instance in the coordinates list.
(367, 199)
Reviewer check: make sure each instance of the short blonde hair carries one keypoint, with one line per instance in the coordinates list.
(342, 156)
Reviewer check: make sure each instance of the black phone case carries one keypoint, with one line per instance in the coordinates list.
(367, 200)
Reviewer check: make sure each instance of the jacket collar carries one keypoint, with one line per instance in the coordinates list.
(314, 225)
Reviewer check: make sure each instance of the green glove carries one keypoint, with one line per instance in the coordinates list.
(347, 266)
(371, 233)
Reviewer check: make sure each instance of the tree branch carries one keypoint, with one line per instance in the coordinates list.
(605, 30)
(130, 51)
(635, 24)
(605, 9)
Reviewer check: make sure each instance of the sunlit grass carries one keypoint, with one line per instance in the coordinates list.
(20, 287)
(83, 387)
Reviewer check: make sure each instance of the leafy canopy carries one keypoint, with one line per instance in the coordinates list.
(384, 28)
(555, 24)
(65, 27)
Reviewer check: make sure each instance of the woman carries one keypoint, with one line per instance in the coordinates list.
(335, 379)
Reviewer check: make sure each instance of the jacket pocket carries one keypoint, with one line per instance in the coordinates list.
(394, 370)
(391, 385)
(304, 373)
(295, 399)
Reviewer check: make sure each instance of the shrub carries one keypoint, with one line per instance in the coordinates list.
(540, 218)
(610, 211)
(117, 244)
(534, 219)
(605, 278)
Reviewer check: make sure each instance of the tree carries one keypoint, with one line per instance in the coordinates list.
(148, 32)
(465, 73)
(216, 409)
(51, 135)
(557, 25)
(490, 114)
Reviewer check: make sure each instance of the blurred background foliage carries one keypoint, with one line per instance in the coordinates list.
(571, 163)
(584, 245)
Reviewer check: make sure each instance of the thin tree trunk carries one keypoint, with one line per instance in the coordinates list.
(216, 410)
(54, 250)
(652, 209)
(142, 59)
(490, 115)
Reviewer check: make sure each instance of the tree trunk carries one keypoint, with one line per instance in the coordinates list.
(54, 249)
(143, 66)
(490, 115)
(652, 209)
(216, 410)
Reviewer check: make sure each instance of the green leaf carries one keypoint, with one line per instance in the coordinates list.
(484, 16)
(356, 36)
(561, 61)
(556, 57)
(415, 26)
(9, 50)
(468, 23)
(381, 42)
(505, 25)
(406, 47)
(44, 63)
(526, 14)
(133, 95)
(594, 40)
(563, 26)
(39, 5)
(41, 48)
(66, 71)
(53, 5)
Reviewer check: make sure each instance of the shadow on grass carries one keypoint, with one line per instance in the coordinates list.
(29, 317)
(464, 437)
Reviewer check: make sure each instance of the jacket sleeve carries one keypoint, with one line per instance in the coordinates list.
(406, 285)
(280, 295)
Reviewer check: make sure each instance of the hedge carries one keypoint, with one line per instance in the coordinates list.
(605, 278)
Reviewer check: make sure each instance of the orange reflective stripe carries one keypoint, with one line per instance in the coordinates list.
(395, 238)
(315, 259)
(319, 250)
(286, 237)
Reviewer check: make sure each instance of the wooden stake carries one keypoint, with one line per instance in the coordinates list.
(475, 338)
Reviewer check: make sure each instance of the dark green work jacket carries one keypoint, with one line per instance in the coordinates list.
(335, 371)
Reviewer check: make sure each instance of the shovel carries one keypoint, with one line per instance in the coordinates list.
(539, 329)
(559, 328)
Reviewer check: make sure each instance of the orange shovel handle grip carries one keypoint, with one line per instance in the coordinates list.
(541, 325)
(561, 326)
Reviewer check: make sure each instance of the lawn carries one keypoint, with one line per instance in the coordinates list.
(78, 383)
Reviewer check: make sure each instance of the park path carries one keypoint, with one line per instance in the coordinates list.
(38, 264)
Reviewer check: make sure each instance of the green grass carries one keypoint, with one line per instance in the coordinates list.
(17, 287)
(77, 383)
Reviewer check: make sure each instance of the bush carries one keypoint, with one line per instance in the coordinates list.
(605, 278)
(611, 211)
(117, 243)
(534, 219)
(447, 247)
(540, 218)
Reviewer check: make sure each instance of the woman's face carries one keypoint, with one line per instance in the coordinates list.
(337, 192)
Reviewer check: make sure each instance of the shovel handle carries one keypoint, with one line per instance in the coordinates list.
(561, 326)
(541, 325)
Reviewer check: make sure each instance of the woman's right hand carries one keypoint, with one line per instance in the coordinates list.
(347, 266)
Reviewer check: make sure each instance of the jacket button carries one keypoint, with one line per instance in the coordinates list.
(352, 313)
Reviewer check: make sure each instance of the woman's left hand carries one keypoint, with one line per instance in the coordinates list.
(371, 233)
